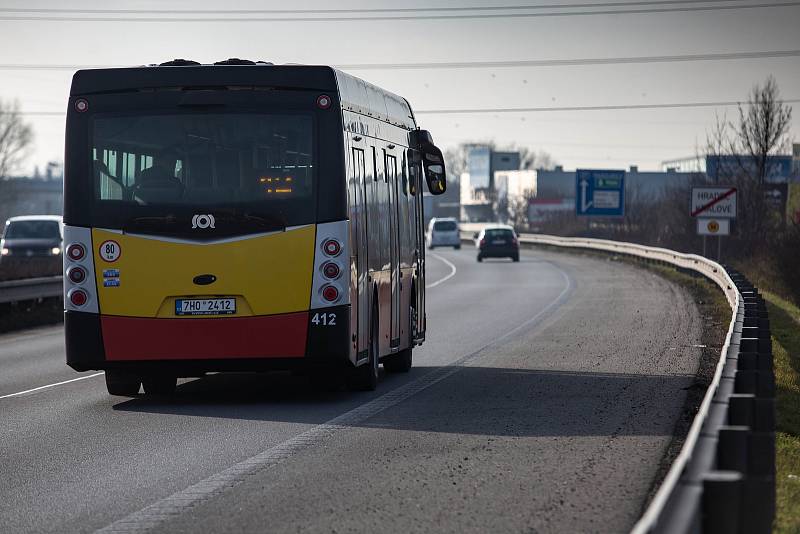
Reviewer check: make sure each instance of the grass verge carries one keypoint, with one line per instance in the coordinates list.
(785, 329)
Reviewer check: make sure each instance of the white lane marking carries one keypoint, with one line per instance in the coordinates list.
(161, 511)
(20, 393)
(449, 275)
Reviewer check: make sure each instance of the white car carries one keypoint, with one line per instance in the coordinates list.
(443, 232)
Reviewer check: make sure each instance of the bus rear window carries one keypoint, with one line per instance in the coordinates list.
(444, 226)
(208, 159)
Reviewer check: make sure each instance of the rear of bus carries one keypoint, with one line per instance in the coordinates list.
(205, 222)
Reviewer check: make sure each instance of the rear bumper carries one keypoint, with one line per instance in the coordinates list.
(197, 345)
(498, 252)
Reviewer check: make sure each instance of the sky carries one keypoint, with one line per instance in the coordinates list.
(493, 33)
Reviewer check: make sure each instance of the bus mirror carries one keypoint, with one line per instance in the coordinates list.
(433, 163)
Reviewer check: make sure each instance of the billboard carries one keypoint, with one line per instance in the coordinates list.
(479, 167)
(779, 168)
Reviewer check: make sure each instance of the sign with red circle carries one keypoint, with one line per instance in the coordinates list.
(110, 251)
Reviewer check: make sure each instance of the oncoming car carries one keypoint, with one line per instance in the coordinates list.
(31, 236)
(497, 242)
(443, 232)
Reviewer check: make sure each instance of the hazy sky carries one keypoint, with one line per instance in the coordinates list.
(619, 138)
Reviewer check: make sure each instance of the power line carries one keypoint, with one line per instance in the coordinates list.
(577, 62)
(355, 10)
(617, 107)
(494, 64)
(692, 9)
(588, 108)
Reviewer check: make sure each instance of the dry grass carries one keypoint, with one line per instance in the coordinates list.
(785, 329)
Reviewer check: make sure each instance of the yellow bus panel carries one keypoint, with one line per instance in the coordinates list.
(142, 276)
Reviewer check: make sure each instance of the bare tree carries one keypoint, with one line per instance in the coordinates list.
(763, 128)
(15, 138)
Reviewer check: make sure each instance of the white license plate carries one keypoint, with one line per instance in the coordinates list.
(499, 242)
(222, 306)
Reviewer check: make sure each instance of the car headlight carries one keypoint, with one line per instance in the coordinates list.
(5, 251)
(55, 251)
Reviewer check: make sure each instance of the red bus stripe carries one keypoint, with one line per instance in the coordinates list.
(273, 336)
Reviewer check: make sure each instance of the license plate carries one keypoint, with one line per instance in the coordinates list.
(499, 242)
(221, 306)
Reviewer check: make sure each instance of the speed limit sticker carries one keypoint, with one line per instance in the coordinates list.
(110, 251)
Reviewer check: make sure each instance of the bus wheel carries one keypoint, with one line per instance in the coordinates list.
(365, 378)
(122, 383)
(160, 385)
(401, 361)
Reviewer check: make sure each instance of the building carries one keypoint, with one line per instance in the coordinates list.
(554, 190)
(479, 198)
(30, 196)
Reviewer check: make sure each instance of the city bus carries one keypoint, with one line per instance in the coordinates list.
(242, 216)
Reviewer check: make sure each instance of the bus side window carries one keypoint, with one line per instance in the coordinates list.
(403, 176)
(413, 173)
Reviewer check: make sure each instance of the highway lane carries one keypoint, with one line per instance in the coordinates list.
(564, 377)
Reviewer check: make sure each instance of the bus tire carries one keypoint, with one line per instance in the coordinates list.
(365, 377)
(122, 384)
(160, 385)
(401, 361)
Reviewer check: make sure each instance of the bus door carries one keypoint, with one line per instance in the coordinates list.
(359, 220)
(394, 241)
(418, 217)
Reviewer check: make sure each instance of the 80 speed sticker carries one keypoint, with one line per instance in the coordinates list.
(110, 251)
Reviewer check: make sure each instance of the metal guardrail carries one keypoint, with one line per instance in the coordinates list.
(723, 479)
(31, 288)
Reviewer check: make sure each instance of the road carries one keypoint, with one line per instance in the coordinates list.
(542, 401)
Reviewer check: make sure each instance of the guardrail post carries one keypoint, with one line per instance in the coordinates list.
(721, 500)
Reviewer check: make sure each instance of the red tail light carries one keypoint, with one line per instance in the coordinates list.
(483, 242)
(330, 293)
(78, 297)
(332, 247)
(76, 251)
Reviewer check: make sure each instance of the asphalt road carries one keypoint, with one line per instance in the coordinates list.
(543, 401)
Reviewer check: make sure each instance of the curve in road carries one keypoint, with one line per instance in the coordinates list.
(543, 400)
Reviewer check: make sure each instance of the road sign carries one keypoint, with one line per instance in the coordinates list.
(714, 202)
(713, 226)
(600, 193)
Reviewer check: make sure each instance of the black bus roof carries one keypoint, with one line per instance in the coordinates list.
(354, 94)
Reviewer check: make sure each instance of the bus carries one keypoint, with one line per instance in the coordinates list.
(242, 216)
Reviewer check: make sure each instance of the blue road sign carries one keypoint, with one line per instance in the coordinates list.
(600, 193)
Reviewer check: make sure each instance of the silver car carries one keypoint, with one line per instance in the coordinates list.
(443, 232)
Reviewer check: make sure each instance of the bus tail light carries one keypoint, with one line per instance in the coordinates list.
(78, 297)
(331, 270)
(330, 293)
(79, 271)
(76, 251)
(331, 283)
(76, 274)
(332, 247)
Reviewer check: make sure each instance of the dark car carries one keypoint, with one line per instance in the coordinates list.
(497, 242)
(31, 236)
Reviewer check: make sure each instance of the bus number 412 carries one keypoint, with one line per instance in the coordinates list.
(324, 319)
